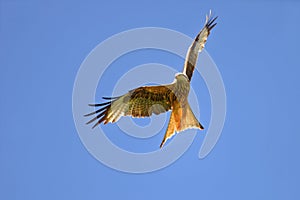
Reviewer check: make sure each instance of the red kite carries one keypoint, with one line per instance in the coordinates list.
(143, 101)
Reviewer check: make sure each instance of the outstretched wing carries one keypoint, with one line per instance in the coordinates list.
(197, 46)
(140, 102)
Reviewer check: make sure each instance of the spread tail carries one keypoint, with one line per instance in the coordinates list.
(180, 120)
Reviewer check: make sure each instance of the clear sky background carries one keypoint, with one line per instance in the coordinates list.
(255, 46)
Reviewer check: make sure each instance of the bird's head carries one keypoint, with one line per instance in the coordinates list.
(181, 86)
(181, 77)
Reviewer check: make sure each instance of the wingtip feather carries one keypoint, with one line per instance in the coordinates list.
(95, 125)
(109, 98)
(99, 104)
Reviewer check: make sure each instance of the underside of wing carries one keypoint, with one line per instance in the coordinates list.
(140, 102)
(197, 46)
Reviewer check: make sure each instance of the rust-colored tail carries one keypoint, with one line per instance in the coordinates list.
(180, 120)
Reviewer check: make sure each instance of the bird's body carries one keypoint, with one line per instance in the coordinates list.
(143, 101)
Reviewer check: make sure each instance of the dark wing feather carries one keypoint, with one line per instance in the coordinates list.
(140, 102)
(197, 46)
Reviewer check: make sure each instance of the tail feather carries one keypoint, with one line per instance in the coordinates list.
(180, 120)
(189, 120)
(171, 129)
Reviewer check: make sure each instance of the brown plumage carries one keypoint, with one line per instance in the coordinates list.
(146, 100)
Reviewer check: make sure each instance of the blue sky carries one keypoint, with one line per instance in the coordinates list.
(255, 45)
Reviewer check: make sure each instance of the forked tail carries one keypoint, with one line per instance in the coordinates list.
(180, 120)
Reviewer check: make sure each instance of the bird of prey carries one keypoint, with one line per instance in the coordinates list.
(146, 100)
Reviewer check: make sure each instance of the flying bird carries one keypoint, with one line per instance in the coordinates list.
(146, 100)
